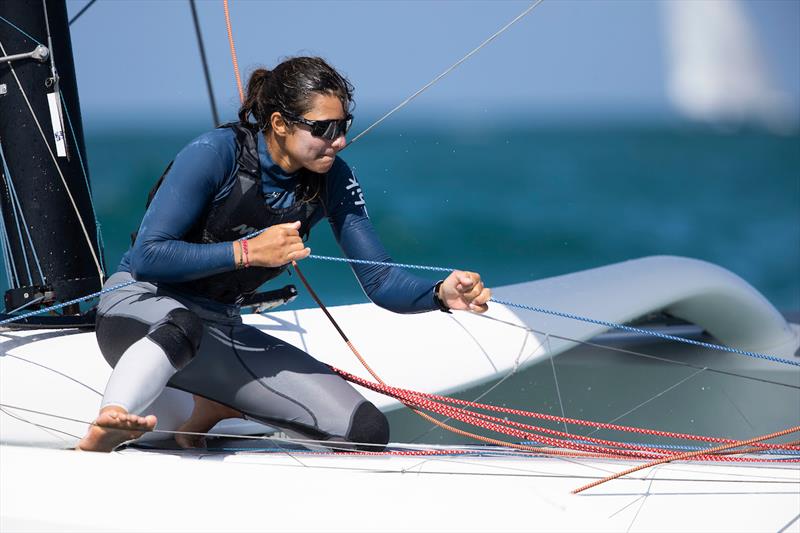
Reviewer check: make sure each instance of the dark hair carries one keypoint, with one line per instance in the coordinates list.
(288, 89)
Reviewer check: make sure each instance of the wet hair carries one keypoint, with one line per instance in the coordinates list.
(289, 88)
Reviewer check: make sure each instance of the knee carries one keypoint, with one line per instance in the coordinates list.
(368, 427)
(179, 336)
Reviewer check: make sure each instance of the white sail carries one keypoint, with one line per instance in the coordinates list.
(717, 72)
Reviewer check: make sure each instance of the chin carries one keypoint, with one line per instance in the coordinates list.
(323, 165)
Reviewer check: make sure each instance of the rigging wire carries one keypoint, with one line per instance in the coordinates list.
(6, 246)
(47, 145)
(499, 382)
(16, 207)
(639, 354)
(201, 46)
(11, 268)
(100, 272)
(100, 244)
(654, 397)
(447, 71)
(81, 12)
(605, 323)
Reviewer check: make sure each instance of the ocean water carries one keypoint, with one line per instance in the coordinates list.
(520, 204)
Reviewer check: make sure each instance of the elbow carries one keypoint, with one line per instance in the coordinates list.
(141, 264)
(140, 270)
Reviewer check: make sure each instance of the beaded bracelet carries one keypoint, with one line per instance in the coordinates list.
(245, 254)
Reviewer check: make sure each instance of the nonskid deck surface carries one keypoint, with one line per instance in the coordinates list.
(256, 490)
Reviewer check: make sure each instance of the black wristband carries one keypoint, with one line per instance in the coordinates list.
(439, 303)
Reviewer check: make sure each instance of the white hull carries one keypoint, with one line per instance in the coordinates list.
(61, 372)
(139, 491)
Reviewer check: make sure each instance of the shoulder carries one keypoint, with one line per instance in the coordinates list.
(343, 189)
(206, 161)
(220, 142)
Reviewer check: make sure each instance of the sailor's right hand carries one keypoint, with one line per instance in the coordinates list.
(277, 246)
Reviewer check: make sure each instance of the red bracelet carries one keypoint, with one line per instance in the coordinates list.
(245, 255)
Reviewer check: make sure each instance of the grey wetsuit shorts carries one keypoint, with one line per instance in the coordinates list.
(235, 364)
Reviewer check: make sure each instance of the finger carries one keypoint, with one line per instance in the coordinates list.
(484, 296)
(466, 280)
(291, 227)
(472, 293)
(302, 254)
(475, 308)
(294, 248)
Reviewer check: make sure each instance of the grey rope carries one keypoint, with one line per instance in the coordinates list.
(446, 72)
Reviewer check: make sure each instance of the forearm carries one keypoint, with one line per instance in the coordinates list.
(178, 261)
(389, 287)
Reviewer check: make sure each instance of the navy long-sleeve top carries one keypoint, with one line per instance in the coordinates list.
(203, 174)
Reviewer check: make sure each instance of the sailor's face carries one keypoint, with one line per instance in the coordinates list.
(316, 153)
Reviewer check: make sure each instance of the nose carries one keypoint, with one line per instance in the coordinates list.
(339, 142)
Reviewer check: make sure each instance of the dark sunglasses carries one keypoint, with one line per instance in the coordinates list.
(325, 129)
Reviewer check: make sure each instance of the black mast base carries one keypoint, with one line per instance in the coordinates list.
(45, 295)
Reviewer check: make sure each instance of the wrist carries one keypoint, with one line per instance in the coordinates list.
(245, 253)
(437, 299)
(238, 259)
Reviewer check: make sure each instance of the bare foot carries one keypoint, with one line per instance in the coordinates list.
(114, 425)
(205, 415)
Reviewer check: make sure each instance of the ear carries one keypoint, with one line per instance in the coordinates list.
(279, 126)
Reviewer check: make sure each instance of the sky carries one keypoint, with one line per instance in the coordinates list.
(568, 59)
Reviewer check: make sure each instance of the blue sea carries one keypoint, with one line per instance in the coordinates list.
(525, 203)
(519, 204)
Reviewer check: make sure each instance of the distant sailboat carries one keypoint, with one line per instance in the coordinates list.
(717, 72)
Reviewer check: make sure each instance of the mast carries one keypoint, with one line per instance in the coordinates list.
(50, 242)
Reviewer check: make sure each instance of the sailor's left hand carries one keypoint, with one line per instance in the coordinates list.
(464, 291)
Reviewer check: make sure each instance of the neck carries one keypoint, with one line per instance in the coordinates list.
(277, 152)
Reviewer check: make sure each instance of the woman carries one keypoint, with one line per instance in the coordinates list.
(179, 324)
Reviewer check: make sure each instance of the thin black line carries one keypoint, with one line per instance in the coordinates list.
(202, 47)
(81, 12)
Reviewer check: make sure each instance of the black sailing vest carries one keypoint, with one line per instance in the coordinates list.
(242, 212)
